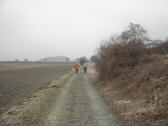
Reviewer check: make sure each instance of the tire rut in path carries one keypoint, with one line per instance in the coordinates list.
(79, 105)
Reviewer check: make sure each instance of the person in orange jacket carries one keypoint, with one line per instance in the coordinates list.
(76, 67)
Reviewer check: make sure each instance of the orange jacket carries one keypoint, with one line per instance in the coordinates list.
(76, 66)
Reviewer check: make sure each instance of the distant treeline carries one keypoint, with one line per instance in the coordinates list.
(36, 62)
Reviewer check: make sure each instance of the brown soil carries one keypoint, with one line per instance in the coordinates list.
(33, 110)
(18, 81)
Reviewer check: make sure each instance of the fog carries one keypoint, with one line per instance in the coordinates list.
(35, 29)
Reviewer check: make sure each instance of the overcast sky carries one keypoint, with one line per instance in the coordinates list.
(35, 29)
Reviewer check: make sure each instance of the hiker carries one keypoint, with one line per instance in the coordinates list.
(85, 67)
(76, 67)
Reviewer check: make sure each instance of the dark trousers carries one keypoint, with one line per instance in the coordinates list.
(76, 71)
(85, 69)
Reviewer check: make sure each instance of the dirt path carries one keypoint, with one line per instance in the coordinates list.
(79, 105)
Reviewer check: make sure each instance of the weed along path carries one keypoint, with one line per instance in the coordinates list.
(79, 105)
(73, 102)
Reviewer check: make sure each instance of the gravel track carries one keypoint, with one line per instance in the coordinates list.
(79, 105)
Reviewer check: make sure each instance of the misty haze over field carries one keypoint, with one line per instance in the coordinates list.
(35, 29)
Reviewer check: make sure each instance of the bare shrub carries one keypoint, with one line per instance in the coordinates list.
(162, 48)
(135, 68)
(127, 50)
(117, 56)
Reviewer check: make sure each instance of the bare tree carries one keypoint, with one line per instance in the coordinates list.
(93, 58)
(16, 61)
(82, 60)
(26, 60)
(135, 32)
